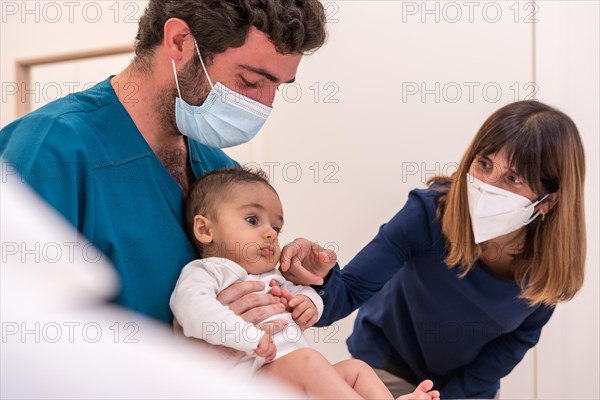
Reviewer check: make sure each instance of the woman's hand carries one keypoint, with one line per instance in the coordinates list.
(306, 263)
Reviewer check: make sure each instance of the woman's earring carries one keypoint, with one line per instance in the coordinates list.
(543, 216)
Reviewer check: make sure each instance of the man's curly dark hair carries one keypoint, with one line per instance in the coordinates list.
(294, 26)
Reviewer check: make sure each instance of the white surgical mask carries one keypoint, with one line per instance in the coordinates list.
(495, 211)
(225, 119)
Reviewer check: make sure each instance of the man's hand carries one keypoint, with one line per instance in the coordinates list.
(304, 311)
(242, 298)
(306, 263)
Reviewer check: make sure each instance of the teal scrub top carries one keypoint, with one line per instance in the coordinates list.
(84, 155)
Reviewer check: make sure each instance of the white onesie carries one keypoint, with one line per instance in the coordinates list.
(195, 306)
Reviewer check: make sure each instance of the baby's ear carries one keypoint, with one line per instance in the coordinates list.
(202, 229)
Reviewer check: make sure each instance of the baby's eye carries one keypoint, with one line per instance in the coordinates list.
(252, 220)
(277, 229)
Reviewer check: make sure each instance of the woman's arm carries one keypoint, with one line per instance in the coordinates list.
(407, 233)
(479, 379)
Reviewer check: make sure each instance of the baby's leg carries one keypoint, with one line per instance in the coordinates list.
(363, 379)
(307, 370)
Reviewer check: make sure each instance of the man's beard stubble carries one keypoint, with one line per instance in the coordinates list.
(193, 90)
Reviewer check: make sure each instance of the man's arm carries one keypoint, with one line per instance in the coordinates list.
(49, 156)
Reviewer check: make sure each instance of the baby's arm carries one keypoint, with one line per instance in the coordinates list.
(201, 315)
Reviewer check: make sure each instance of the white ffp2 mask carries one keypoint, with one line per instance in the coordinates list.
(495, 211)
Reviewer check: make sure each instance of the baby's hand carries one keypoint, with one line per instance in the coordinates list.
(266, 348)
(422, 392)
(304, 311)
(283, 295)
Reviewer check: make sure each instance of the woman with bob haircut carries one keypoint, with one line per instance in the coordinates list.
(458, 285)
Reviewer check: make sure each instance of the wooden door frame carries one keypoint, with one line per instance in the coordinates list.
(23, 68)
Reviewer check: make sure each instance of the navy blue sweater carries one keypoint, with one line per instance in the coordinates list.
(464, 334)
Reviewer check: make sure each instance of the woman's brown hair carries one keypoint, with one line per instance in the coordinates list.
(543, 145)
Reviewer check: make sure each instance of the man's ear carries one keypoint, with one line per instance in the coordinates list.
(178, 41)
(549, 203)
(202, 229)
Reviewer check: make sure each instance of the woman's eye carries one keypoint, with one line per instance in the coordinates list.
(485, 164)
(252, 220)
(515, 179)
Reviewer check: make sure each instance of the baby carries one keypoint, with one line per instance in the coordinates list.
(234, 217)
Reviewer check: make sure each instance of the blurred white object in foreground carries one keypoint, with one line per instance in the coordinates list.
(60, 339)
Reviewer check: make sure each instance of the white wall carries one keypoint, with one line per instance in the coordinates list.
(393, 98)
(32, 29)
(568, 43)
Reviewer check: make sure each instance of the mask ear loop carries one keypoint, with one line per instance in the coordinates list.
(526, 222)
(176, 81)
(203, 66)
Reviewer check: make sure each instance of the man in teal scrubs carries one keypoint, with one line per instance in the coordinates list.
(113, 160)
